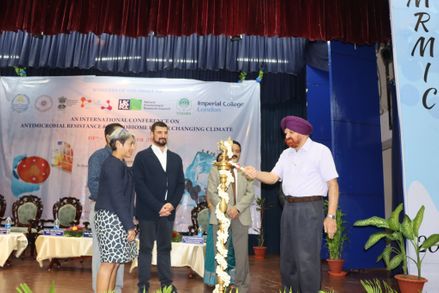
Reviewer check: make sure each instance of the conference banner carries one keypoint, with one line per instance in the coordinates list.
(415, 34)
(51, 125)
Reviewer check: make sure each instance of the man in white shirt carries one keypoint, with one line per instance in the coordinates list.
(159, 183)
(308, 174)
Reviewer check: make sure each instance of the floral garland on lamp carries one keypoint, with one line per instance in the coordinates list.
(223, 221)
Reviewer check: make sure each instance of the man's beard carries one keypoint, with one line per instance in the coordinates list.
(291, 143)
(160, 142)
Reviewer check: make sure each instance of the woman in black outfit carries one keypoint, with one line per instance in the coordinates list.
(115, 211)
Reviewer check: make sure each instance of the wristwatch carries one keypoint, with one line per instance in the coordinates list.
(330, 216)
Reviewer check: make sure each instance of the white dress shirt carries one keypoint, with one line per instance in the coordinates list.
(163, 158)
(306, 172)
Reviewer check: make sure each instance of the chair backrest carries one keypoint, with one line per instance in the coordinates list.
(2, 206)
(27, 207)
(203, 219)
(68, 210)
(200, 218)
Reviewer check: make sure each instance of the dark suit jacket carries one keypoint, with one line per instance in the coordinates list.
(116, 191)
(152, 182)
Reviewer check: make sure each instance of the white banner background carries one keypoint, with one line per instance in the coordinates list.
(414, 30)
(60, 121)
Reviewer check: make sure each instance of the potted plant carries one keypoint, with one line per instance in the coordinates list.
(335, 247)
(396, 234)
(260, 250)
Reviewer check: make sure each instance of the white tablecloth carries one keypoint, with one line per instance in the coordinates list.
(10, 242)
(49, 247)
(182, 255)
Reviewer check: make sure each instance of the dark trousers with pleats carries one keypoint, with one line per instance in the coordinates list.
(301, 240)
(159, 230)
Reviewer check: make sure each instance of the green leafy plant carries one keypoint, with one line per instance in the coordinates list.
(176, 236)
(336, 244)
(396, 233)
(377, 286)
(260, 207)
(74, 231)
(24, 288)
(320, 291)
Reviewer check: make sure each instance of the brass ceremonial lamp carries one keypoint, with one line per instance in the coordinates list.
(222, 164)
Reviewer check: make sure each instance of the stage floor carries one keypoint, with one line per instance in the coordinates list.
(74, 276)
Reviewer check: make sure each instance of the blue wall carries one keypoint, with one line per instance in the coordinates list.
(344, 105)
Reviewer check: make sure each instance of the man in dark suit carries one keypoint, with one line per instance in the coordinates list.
(159, 183)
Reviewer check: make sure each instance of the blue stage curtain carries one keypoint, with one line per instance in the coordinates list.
(317, 55)
(126, 54)
(397, 179)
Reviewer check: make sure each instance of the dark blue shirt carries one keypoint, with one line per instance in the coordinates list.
(116, 191)
(94, 170)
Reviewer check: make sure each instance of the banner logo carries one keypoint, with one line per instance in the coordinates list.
(184, 106)
(43, 103)
(130, 104)
(107, 106)
(64, 102)
(20, 103)
(84, 101)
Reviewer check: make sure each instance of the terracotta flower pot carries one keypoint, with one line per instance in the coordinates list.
(410, 283)
(335, 267)
(259, 251)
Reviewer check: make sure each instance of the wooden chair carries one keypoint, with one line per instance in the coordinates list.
(200, 218)
(2, 207)
(26, 215)
(68, 210)
(2, 218)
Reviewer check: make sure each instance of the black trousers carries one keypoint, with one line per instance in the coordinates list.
(301, 240)
(159, 230)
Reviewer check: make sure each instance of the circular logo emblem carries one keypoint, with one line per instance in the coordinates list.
(20, 103)
(43, 103)
(33, 169)
(184, 104)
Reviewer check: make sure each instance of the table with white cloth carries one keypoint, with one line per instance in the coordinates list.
(182, 255)
(10, 242)
(56, 247)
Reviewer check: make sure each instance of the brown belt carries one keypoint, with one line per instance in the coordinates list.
(304, 198)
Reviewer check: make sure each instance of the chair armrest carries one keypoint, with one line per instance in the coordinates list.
(191, 231)
(33, 224)
(74, 223)
(43, 223)
(86, 225)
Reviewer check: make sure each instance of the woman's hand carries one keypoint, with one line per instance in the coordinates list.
(131, 234)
